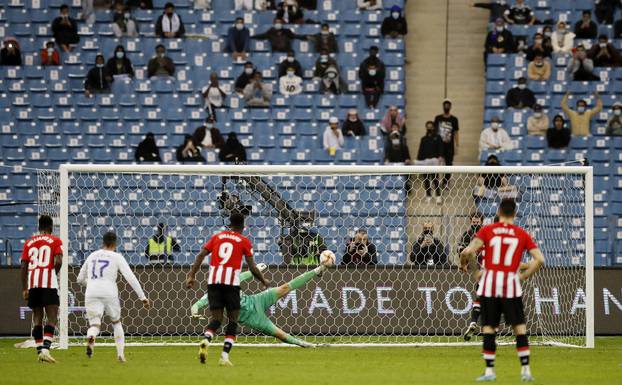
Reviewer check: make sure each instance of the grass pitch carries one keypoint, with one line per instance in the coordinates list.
(328, 365)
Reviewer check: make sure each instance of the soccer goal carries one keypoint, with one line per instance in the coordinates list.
(397, 282)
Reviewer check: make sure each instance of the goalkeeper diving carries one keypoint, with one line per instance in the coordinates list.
(253, 307)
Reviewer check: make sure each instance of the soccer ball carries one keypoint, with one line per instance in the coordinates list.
(327, 258)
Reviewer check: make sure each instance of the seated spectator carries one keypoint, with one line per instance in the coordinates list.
(331, 82)
(243, 5)
(520, 96)
(392, 117)
(428, 250)
(431, 154)
(558, 136)
(142, 4)
(245, 77)
(208, 136)
(123, 24)
(98, 79)
(233, 150)
(605, 9)
(290, 61)
(65, 30)
(119, 65)
(496, 9)
(580, 120)
(160, 65)
(203, 4)
(369, 5)
(238, 40)
(394, 26)
(353, 125)
(169, 24)
(374, 60)
(547, 32)
(493, 186)
(581, 66)
(477, 219)
(372, 86)
(49, 55)
(280, 38)
(586, 28)
(322, 64)
(500, 39)
(333, 137)
(147, 150)
(540, 46)
(604, 54)
(519, 14)
(539, 69)
(562, 40)
(325, 40)
(360, 251)
(10, 54)
(538, 122)
(213, 96)
(614, 125)
(257, 93)
(396, 148)
(495, 137)
(290, 12)
(187, 152)
(290, 83)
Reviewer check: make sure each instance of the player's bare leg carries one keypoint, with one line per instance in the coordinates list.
(91, 334)
(216, 318)
(119, 339)
(522, 349)
(230, 334)
(489, 353)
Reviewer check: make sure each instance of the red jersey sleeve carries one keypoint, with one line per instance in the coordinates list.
(530, 244)
(209, 246)
(248, 248)
(483, 234)
(25, 257)
(57, 247)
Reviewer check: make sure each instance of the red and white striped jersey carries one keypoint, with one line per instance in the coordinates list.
(39, 252)
(227, 249)
(504, 246)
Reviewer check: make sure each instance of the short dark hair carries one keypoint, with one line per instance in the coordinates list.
(159, 46)
(477, 214)
(110, 239)
(507, 207)
(169, 5)
(46, 223)
(63, 7)
(587, 12)
(236, 220)
(239, 18)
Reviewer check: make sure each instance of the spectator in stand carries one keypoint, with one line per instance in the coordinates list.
(500, 39)
(98, 79)
(331, 82)
(213, 96)
(431, 154)
(495, 137)
(396, 149)
(605, 9)
(10, 55)
(447, 127)
(119, 65)
(538, 122)
(169, 24)
(586, 28)
(519, 14)
(232, 151)
(243, 5)
(280, 38)
(540, 46)
(49, 55)
(494, 186)
(372, 59)
(392, 117)
(161, 246)
(290, 61)
(372, 86)
(369, 5)
(333, 137)
(208, 136)
(257, 93)
(90, 6)
(245, 77)
(558, 136)
(614, 125)
(428, 250)
(539, 69)
(65, 30)
(353, 125)
(290, 83)
(147, 150)
(203, 4)
(322, 64)
(520, 96)
(581, 67)
(547, 32)
(160, 65)
(325, 40)
(360, 251)
(123, 24)
(580, 119)
(238, 40)
(187, 152)
(142, 4)
(562, 40)
(496, 8)
(394, 26)
(604, 54)
(290, 12)
(477, 219)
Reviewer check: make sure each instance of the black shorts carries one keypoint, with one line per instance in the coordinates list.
(223, 297)
(39, 297)
(511, 308)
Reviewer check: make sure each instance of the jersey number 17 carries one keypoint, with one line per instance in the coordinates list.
(496, 243)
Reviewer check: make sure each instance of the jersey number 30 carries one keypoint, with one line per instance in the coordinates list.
(39, 257)
(224, 252)
(496, 243)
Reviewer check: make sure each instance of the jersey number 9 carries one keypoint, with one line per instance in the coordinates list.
(224, 252)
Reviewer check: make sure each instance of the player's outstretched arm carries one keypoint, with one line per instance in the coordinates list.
(252, 266)
(534, 265)
(82, 275)
(129, 276)
(469, 253)
(191, 277)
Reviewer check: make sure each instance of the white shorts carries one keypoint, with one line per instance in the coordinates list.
(97, 306)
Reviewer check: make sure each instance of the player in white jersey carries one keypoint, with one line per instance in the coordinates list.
(99, 274)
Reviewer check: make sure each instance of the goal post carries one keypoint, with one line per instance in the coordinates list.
(402, 299)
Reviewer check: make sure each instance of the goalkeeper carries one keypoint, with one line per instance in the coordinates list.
(253, 307)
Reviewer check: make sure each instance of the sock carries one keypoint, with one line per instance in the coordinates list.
(302, 280)
(37, 334)
(48, 336)
(119, 339)
(200, 304)
(489, 353)
(295, 341)
(522, 349)
(211, 330)
(475, 312)
(227, 346)
(92, 332)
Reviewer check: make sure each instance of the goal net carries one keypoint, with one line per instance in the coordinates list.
(396, 280)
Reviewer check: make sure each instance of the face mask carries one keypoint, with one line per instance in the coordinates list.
(323, 58)
(169, 14)
(99, 65)
(617, 112)
(290, 73)
(561, 30)
(502, 2)
(537, 114)
(500, 28)
(429, 130)
(160, 54)
(353, 118)
(603, 45)
(547, 34)
(50, 51)
(539, 64)
(538, 41)
(372, 72)
(209, 125)
(395, 142)
(126, 15)
(522, 86)
(290, 59)
(278, 26)
(248, 71)
(331, 75)
(494, 125)
(119, 55)
(581, 109)
(395, 15)
(239, 26)
(325, 33)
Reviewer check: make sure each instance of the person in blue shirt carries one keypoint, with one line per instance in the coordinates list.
(238, 40)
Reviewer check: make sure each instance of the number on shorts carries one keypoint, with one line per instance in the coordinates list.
(224, 252)
(103, 263)
(39, 257)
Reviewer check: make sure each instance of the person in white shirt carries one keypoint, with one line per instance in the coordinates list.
(290, 83)
(494, 137)
(213, 96)
(333, 137)
(99, 274)
(562, 39)
(369, 5)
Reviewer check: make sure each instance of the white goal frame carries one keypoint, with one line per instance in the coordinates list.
(329, 170)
